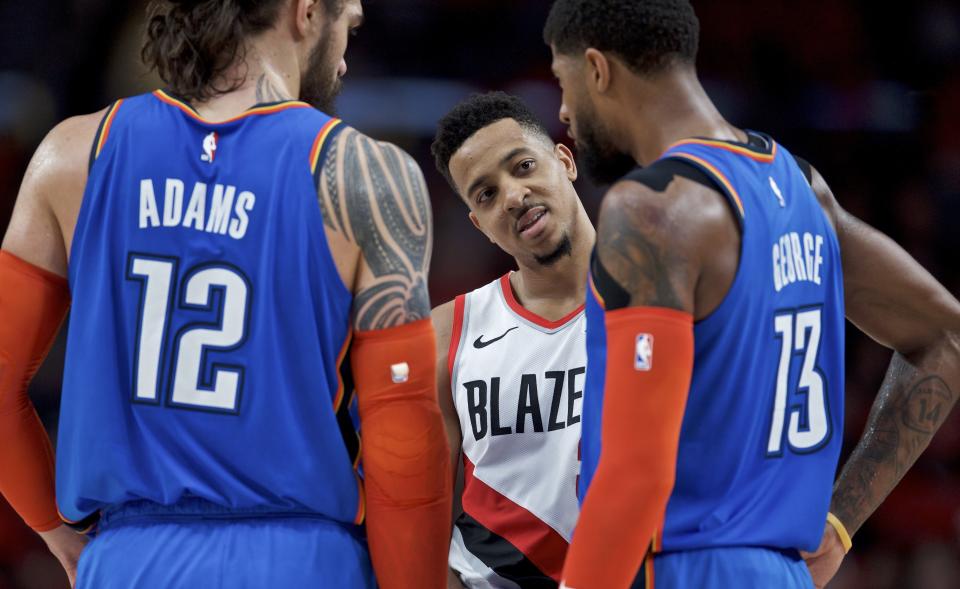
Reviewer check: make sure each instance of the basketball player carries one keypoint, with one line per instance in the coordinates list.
(511, 354)
(716, 323)
(236, 262)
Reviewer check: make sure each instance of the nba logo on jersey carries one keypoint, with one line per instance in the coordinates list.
(643, 358)
(776, 192)
(209, 148)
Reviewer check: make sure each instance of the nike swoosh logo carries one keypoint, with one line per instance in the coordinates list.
(480, 344)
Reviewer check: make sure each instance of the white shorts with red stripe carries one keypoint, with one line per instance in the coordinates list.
(517, 382)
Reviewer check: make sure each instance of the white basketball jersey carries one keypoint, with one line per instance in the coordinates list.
(517, 382)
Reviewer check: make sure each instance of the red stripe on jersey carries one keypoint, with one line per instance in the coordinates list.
(529, 315)
(456, 333)
(540, 543)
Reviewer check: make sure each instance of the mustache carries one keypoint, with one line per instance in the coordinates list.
(526, 208)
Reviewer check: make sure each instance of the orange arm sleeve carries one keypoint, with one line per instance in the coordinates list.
(33, 303)
(405, 456)
(649, 366)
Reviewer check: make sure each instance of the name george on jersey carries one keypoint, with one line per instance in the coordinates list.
(220, 209)
(483, 404)
(797, 258)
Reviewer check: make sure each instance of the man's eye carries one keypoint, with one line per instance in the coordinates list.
(485, 195)
(527, 165)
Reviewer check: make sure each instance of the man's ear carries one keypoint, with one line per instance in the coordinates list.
(598, 69)
(304, 12)
(566, 158)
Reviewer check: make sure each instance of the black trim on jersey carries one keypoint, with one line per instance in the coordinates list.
(325, 148)
(806, 168)
(96, 136)
(351, 440)
(500, 555)
(757, 142)
(658, 175)
(85, 525)
(186, 102)
(181, 100)
(614, 296)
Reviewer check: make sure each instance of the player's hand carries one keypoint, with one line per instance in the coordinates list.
(453, 580)
(66, 545)
(825, 562)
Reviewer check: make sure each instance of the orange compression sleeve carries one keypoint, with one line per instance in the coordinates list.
(33, 303)
(648, 371)
(405, 456)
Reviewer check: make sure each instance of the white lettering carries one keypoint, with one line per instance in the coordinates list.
(223, 210)
(196, 208)
(173, 202)
(808, 252)
(777, 280)
(245, 202)
(148, 205)
(220, 207)
(798, 257)
(819, 260)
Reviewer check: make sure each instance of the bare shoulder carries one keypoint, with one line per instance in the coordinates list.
(442, 317)
(825, 197)
(651, 241)
(374, 194)
(64, 154)
(51, 192)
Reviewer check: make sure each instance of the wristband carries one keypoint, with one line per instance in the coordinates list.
(841, 531)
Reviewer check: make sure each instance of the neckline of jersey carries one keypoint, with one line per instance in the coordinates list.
(507, 291)
(766, 154)
(258, 109)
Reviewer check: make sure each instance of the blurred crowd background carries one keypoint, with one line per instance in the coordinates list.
(868, 91)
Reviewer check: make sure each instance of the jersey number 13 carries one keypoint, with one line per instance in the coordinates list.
(808, 422)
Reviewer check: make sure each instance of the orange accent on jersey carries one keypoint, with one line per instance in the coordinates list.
(320, 141)
(719, 176)
(596, 293)
(648, 569)
(340, 357)
(405, 456)
(744, 151)
(642, 412)
(361, 499)
(107, 123)
(33, 303)
(456, 333)
(257, 110)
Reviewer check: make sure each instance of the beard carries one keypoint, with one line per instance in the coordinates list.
(564, 248)
(321, 84)
(603, 161)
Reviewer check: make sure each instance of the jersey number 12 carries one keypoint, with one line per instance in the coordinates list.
(188, 386)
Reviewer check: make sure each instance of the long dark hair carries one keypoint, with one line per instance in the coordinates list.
(192, 43)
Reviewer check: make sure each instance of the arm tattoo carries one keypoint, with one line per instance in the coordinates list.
(912, 404)
(375, 195)
(634, 249)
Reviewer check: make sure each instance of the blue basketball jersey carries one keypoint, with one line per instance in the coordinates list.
(206, 353)
(762, 429)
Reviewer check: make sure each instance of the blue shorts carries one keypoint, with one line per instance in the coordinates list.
(722, 568)
(140, 546)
